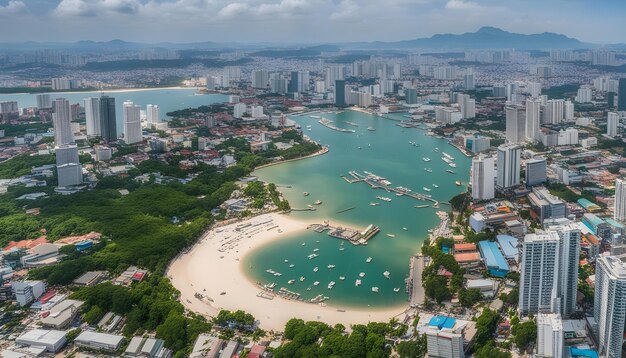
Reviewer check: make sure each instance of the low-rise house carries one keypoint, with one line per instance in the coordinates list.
(99, 341)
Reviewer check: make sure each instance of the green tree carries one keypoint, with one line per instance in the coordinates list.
(412, 349)
(524, 334)
(93, 315)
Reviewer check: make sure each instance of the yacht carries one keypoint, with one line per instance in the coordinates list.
(291, 282)
(362, 274)
(426, 189)
(391, 235)
(405, 229)
(342, 278)
(374, 204)
(426, 159)
(450, 171)
(397, 289)
(453, 165)
(331, 284)
(292, 266)
(342, 248)
(312, 256)
(375, 289)
(386, 274)
(330, 267)
(458, 183)
(316, 269)
(448, 156)
(270, 271)
(316, 250)
(278, 274)
(286, 260)
(371, 129)
(435, 186)
(316, 283)
(368, 260)
(357, 283)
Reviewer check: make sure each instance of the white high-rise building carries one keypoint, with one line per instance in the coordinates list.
(533, 118)
(260, 79)
(468, 82)
(468, 106)
(256, 111)
(482, 178)
(61, 121)
(92, 116)
(584, 95)
(569, 110)
(334, 73)
(69, 170)
(152, 115)
(550, 338)
(444, 343)
(44, 101)
(549, 271)
(320, 86)
(534, 89)
(612, 122)
(555, 111)
(508, 165)
(609, 306)
(239, 110)
(132, 123)
(515, 124)
(619, 212)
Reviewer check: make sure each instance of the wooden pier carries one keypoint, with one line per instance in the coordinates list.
(354, 236)
(356, 177)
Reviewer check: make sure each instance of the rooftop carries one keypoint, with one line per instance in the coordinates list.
(492, 255)
(442, 322)
(508, 245)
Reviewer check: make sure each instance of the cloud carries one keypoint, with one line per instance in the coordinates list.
(232, 10)
(461, 5)
(285, 7)
(346, 10)
(13, 7)
(89, 8)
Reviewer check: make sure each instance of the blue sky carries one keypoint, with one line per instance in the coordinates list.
(315, 21)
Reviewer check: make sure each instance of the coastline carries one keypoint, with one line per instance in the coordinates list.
(204, 269)
(118, 90)
(322, 151)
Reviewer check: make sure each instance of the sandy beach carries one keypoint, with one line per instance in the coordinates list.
(214, 266)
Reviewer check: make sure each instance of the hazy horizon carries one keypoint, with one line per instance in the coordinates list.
(300, 21)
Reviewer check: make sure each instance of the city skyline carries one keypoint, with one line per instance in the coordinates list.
(298, 21)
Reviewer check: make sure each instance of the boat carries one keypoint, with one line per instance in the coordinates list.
(331, 284)
(330, 267)
(362, 274)
(428, 170)
(278, 274)
(286, 260)
(316, 250)
(303, 243)
(301, 278)
(446, 160)
(405, 229)
(450, 171)
(453, 165)
(447, 155)
(397, 289)
(317, 202)
(316, 283)
(386, 274)
(270, 271)
(375, 289)
(426, 159)
(312, 256)
(458, 183)
(426, 189)
(342, 278)
(374, 204)
(371, 129)
(435, 186)
(342, 248)
(291, 282)
(391, 235)
(316, 269)
(306, 193)
(292, 266)
(357, 283)
(316, 117)
(368, 260)
(309, 206)
(420, 206)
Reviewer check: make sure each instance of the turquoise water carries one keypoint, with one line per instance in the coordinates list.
(167, 99)
(387, 153)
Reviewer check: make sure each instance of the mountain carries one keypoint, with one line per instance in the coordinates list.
(484, 38)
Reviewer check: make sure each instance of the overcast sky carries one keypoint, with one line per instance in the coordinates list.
(314, 21)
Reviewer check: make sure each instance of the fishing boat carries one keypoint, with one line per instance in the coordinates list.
(371, 129)
(306, 193)
(317, 202)
(362, 274)
(426, 159)
(391, 235)
(450, 171)
(315, 269)
(397, 289)
(292, 266)
(301, 278)
(342, 278)
(458, 183)
(330, 267)
(357, 283)
(386, 274)
(331, 284)
(426, 189)
(374, 204)
(420, 206)
(428, 170)
(453, 165)
(316, 283)
(291, 282)
(368, 260)
(375, 289)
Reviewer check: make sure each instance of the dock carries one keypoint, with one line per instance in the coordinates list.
(354, 236)
(327, 123)
(376, 182)
(414, 281)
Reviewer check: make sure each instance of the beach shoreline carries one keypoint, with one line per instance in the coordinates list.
(105, 90)
(214, 265)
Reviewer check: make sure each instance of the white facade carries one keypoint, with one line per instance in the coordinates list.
(612, 122)
(61, 121)
(569, 111)
(584, 95)
(568, 136)
(482, 178)
(508, 166)
(619, 213)
(152, 115)
(260, 79)
(533, 89)
(256, 111)
(533, 117)
(239, 110)
(609, 307)
(132, 123)
(555, 111)
(515, 124)
(468, 106)
(550, 340)
(444, 343)
(92, 116)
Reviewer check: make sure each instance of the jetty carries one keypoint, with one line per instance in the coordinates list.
(377, 182)
(414, 281)
(328, 124)
(354, 236)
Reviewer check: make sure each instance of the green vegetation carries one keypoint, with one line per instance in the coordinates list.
(563, 91)
(194, 112)
(412, 349)
(491, 351)
(524, 334)
(238, 319)
(12, 130)
(22, 164)
(565, 193)
(485, 326)
(437, 287)
(128, 65)
(469, 298)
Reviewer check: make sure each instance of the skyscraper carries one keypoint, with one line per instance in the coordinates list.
(536, 171)
(549, 271)
(508, 165)
(468, 82)
(621, 95)
(340, 92)
(468, 106)
(555, 111)
(132, 123)
(61, 121)
(482, 178)
(44, 101)
(609, 306)
(108, 122)
(152, 115)
(533, 116)
(334, 73)
(69, 170)
(92, 116)
(410, 95)
(515, 124)
(612, 122)
(619, 213)
(550, 339)
(260, 79)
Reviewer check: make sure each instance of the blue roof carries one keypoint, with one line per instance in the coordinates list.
(445, 249)
(614, 223)
(442, 322)
(492, 256)
(586, 203)
(508, 245)
(592, 219)
(576, 352)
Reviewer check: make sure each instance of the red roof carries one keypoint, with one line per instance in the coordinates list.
(47, 296)
(138, 276)
(26, 244)
(467, 257)
(464, 247)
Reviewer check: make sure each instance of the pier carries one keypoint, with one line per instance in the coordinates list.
(354, 236)
(376, 182)
(327, 123)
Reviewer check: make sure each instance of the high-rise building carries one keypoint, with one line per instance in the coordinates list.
(476, 143)
(619, 212)
(612, 122)
(444, 343)
(508, 165)
(549, 271)
(584, 95)
(239, 110)
(621, 95)
(44, 101)
(534, 89)
(152, 115)
(468, 82)
(482, 178)
(108, 121)
(92, 116)
(498, 91)
(340, 92)
(555, 111)
(278, 84)
(132, 123)
(260, 79)
(334, 73)
(69, 170)
(61, 121)
(569, 110)
(609, 306)
(468, 106)
(9, 107)
(550, 338)
(411, 95)
(536, 171)
(515, 124)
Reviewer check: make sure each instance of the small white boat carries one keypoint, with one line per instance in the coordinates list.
(317, 202)
(397, 289)
(374, 204)
(435, 186)
(375, 289)
(291, 282)
(371, 129)
(306, 193)
(386, 274)
(426, 159)
(428, 170)
(342, 248)
(368, 260)
(405, 229)
(301, 278)
(362, 274)
(330, 267)
(303, 244)
(357, 283)
(426, 189)
(316, 283)
(452, 165)
(331, 284)
(278, 274)
(286, 260)
(312, 256)
(292, 266)
(342, 278)
(316, 250)
(391, 235)
(270, 271)
(315, 269)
